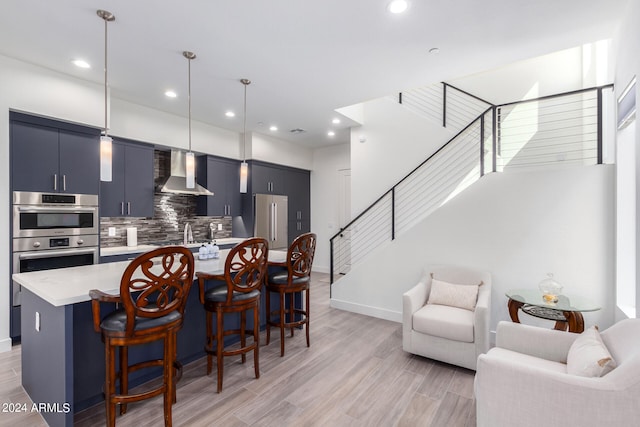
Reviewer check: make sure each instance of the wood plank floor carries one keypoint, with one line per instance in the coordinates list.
(354, 374)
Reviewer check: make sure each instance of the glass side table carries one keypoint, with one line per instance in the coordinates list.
(566, 312)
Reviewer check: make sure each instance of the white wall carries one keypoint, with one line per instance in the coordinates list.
(325, 187)
(519, 226)
(627, 60)
(396, 141)
(273, 150)
(36, 90)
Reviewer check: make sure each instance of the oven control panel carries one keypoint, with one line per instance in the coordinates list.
(43, 243)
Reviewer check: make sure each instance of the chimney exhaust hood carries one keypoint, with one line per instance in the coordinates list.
(177, 181)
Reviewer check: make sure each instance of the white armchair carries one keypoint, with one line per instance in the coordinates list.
(523, 381)
(444, 332)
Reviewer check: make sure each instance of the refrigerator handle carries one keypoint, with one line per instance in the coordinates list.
(275, 221)
(271, 214)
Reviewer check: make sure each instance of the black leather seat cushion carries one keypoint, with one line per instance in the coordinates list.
(117, 321)
(281, 279)
(219, 294)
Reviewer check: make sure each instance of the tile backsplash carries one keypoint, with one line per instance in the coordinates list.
(171, 213)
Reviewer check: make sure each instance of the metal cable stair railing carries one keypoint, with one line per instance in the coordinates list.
(563, 129)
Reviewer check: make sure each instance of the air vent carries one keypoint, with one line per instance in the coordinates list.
(297, 131)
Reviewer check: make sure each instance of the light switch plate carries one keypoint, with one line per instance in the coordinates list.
(112, 231)
(219, 227)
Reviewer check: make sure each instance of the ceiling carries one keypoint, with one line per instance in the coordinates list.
(305, 58)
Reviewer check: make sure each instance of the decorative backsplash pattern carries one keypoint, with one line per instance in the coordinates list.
(171, 213)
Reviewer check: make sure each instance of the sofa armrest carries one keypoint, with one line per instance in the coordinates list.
(544, 343)
(481, 318)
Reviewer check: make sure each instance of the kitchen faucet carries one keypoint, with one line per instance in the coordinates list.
(212, 231)
(188, 235)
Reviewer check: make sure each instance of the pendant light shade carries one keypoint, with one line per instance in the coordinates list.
(190, 157)
(105, 140)
(244, 167)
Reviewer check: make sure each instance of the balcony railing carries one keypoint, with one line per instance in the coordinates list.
(559, 130)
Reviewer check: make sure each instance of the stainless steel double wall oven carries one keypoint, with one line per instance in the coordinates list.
(53, 230)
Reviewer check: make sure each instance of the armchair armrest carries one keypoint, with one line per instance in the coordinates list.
(412, 301)
(481, 317)
(513, 392)
(97, 296)
(544, 343)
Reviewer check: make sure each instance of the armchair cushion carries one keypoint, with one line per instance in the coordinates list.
(588, 356)
(442, 321)
(454, 295)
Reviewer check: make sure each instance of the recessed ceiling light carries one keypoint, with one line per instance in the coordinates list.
(230, 114)
(273, 128)
(335, 121)
(434, 50)
(331, 133)
(81, 63)
(170, 94)
(398, 6)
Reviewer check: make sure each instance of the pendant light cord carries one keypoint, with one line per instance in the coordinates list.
(105, 77)
(244, 125)
(189, 98)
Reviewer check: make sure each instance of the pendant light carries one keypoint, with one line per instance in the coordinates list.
(244, 168)
(105, 139)
(190, 157)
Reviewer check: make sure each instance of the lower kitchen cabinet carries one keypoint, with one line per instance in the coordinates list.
(130, 193)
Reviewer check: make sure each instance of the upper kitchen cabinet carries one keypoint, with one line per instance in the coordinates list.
(222, 177)
(52, 156)
(130, 193)
(267, 179)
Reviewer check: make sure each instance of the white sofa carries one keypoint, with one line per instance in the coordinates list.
(523, 381)
(449, 334)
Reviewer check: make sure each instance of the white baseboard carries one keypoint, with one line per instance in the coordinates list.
(5, 345)
(380, 313)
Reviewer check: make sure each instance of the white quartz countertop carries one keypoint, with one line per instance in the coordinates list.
(71, 285)
(123, 250)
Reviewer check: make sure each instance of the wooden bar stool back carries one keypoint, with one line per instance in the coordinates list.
(153, 295)
(295, 279)
(244, 272)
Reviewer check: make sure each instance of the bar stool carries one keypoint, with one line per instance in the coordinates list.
(294, 280)
(244, 272)
(153, 295)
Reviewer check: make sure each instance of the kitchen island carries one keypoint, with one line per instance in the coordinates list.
(63, 357)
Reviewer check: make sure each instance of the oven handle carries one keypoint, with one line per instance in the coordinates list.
(48, 254)
(55, 209)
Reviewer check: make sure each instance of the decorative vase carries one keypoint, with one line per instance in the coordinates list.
(550, 289)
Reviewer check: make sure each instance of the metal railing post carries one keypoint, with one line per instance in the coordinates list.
(600, 159)
(330, 265)
(482, 145)
(494, 141)
(444, 105)
(393, 213)
(399, 97)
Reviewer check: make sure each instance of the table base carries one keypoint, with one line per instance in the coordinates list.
(565, 320)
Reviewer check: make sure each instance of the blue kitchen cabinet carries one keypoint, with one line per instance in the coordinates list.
(52, 156)
(222, 177)
(298, 190)
(130, 192)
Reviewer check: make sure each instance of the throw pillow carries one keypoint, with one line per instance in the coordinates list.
(454, 295)
(588, 356)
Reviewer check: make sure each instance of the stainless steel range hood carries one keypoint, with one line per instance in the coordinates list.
(177, 181)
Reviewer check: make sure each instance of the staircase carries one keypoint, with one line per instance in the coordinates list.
(563, 130)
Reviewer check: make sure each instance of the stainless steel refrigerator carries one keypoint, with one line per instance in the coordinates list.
(270, 219)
